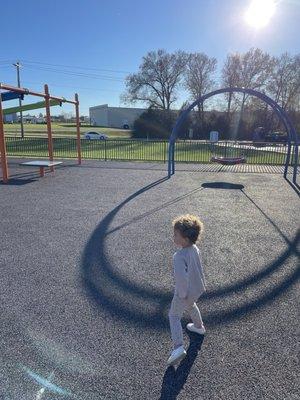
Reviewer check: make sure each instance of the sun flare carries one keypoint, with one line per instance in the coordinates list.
(260, 13)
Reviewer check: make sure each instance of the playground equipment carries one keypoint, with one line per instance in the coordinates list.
(49, 100)
(227, 159)
(282, 115)
(33, 106)
(41, 164)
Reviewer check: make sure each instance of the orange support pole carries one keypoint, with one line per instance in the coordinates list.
(3, 147)
(78, 128)
(49, 131)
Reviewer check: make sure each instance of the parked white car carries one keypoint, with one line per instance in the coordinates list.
(95, 136)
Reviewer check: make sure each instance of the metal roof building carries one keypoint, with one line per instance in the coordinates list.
(114, 117)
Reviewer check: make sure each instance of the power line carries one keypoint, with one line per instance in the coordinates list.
(77, 67)
(77, 87)
(73, 73)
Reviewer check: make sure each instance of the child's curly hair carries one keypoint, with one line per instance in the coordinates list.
(189, 226)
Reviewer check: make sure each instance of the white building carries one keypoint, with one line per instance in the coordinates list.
(32, 119)
(10, 118)
(114, 117)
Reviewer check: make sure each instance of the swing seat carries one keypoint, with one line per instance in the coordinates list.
(228, 160)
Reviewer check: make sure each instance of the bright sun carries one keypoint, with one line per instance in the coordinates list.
(260, 12)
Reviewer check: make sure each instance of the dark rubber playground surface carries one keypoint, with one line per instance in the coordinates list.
(86, 284)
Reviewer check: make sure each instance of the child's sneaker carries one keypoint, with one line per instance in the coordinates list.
(191, 327)
(176, 355)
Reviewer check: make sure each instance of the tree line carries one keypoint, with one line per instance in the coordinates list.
(162, 75)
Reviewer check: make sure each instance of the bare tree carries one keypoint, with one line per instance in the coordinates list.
(157, 80)
(281, 81)
(255, 69)
(250, 70)
(199, 76)
(231, 76)
(284, 84)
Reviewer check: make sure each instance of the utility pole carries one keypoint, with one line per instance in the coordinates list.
(17, 65)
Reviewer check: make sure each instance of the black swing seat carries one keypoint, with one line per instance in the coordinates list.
(228, 160)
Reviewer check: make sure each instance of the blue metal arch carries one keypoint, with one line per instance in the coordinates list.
(282, 115)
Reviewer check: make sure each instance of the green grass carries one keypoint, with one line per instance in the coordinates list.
(62, 130)
(118, 149)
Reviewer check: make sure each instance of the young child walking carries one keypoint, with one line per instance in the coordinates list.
(189, 282)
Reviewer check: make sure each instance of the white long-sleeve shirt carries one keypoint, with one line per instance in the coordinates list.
(188, 273)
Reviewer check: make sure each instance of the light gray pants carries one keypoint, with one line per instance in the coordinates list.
(178, 306)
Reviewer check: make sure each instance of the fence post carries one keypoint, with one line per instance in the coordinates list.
(49, 128)
(78, 142)
(105, 158)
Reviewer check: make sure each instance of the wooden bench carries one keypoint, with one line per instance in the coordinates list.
(42, 164)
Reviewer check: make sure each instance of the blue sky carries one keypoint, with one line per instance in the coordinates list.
(90, 46)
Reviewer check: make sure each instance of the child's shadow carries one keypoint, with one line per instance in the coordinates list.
(174, 380)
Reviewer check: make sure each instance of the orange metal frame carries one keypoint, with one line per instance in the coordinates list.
(47, 98)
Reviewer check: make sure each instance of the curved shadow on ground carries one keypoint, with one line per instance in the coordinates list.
(174, 380)
(222, 185)
(123, 298)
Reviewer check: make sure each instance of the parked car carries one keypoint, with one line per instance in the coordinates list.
(95, 136)
(278, 137)
(125, 124)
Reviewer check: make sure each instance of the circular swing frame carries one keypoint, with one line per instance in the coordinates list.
(282, 115)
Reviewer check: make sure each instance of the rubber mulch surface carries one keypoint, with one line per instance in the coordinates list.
(86, 284)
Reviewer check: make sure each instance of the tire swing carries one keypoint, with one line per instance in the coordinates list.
(225, 155)
(228, 160)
